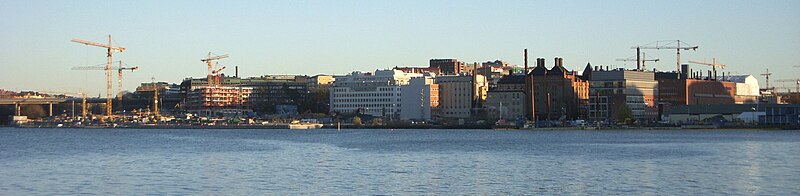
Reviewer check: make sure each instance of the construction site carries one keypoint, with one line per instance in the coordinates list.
(595, 94)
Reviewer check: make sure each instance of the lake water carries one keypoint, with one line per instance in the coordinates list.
(398, 162)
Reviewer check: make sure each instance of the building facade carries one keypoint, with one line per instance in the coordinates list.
(419, 99)
(610, 89)
(507, 99)
(375, 94)
(556, 93)
(461, 95)
(449, 66)
(219, 101)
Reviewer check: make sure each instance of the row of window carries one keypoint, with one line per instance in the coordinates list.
(365, 100)
(367, 95)
(365, 105)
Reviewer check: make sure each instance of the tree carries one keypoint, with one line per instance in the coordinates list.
(624, 114)
(357, 121)
(33, 111)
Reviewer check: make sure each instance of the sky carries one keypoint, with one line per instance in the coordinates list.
(167, 39)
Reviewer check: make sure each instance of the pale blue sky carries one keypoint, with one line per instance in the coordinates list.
(167, 39)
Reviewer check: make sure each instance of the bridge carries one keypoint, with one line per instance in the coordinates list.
(18, 102)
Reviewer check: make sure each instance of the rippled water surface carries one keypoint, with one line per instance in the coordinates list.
(365, 162)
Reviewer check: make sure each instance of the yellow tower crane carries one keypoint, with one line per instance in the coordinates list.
(119, 69)
(110, 50)
(210, 62)
(713, 65)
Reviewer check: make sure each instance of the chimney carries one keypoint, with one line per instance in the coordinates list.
(715, 74)
(595, 68)
(539, 62)
(237, 71)
(561, 62)
(526, 61)
(684, 70)
(555, 62)
(607, 68)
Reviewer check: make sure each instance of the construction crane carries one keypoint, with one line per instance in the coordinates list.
(640, 65)
(110, 50)
(209, 61)
(766, 75)
(713, 65)
(668, 44)
(119, 69)
(796, 81)
(216, 74)
(83, 102)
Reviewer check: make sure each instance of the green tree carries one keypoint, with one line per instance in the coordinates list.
(624, 114)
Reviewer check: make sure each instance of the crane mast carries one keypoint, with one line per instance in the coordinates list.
(713, 65)
(109, 81)
(209, 61)
(669, 44)
(119, 69)
(640, 60)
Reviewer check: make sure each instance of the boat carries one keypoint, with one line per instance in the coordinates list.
(305, 124)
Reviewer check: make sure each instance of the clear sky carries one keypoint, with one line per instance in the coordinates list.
(167, 39)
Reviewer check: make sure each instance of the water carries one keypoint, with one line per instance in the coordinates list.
(404, 162)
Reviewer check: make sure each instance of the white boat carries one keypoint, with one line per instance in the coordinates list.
(305, 126)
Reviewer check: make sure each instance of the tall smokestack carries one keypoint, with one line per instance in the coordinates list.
(709, 74)
(638, 59)
(526, 61)
(237, 71)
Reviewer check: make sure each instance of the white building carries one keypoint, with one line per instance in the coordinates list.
(747, 88)
(375, 94)
(420, 98)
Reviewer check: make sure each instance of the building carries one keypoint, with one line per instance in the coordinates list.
(219, 101)
(494, 70)
(419, 70)
(320, 81)
(506, 100)
(449, 66)
(375, 94)
(461, 95)
(419, 99)
(781, 114)
(693, 88)
(609, 90)
(747, 88)
(712, 113)
(271, 91)
(556, 93)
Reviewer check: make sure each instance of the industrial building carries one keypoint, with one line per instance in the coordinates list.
(609, 90)
(507, 99)
(556, 93)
